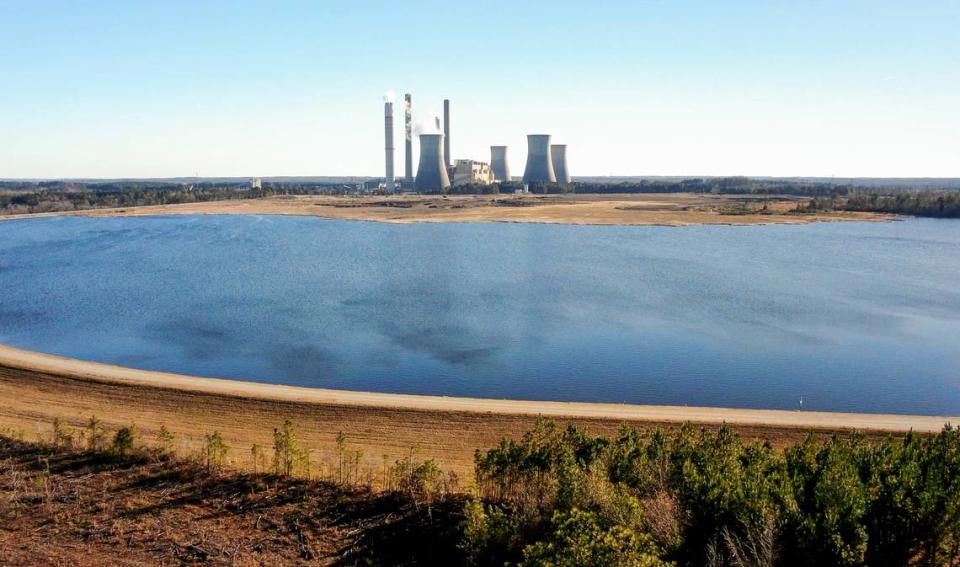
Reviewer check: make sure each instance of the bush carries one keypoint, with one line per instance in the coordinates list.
(578, 540)
(165, 440)
(123, 441)
(286, 449)
(96, 437)
(215, 451)
(62, 435)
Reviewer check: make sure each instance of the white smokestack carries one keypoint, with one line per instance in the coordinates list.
(388, 134)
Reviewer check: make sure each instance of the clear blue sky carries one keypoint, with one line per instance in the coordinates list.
(815, 87)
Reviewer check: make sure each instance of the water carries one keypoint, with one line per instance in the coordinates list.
(851, 316)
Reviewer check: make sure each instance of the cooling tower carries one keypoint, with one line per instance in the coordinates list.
(432, 172)
(539, 165)
(498, 163)
(408, 137)
(446, 132)
(558, 154)
(388, 133)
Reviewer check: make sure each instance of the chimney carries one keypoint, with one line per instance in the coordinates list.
(408, 137)
(432, 172)
(446, 131)
(498, 163)
(558, 153)
(539, 165)
(388, 133)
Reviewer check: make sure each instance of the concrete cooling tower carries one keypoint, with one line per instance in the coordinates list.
(432, 172)
(498, 163)
(539, 165)
(558, 154)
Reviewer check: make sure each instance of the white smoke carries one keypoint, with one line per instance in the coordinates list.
(389, 96)
(427, 123)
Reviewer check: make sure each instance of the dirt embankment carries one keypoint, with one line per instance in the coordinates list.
(38, 388)
(674, 209)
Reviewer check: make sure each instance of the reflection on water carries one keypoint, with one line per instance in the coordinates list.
(851, 316)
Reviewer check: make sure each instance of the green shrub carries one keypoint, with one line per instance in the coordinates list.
(286, 449)
(96, 437)
(123, 441)
(215, 451)
(578, 540)
(165, 440)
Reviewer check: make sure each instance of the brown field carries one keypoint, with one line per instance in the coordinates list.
(36, 389)
(675, 209)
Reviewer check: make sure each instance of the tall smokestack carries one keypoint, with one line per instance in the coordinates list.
(408, 137)
(432, 172)
(388, 132)
(446, 131)
(558, 153)
(498, 163)
(539, 165)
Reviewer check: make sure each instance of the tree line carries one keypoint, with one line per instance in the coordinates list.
(721, 185)
(923, 204)
(101, 196)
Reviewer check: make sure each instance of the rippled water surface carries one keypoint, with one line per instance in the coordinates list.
(851, 316)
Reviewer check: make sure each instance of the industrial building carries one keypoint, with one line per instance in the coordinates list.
(546, 162)
(470, 172)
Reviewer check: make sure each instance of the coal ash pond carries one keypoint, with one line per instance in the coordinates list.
(849, 316)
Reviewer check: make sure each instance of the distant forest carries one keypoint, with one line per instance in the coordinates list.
(60, 196)
(19, 197)
(925, 204)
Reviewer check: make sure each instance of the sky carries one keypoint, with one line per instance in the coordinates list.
(107, 89)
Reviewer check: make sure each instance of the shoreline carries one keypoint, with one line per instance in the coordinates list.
(30, 361)
(655, 209)
(37, 389)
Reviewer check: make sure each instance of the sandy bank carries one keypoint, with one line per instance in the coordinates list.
(36, 388)
(679, 209)
(54, 365)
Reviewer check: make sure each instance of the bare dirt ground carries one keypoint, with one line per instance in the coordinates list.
(37, 388)
(64, 507)
(674, 209)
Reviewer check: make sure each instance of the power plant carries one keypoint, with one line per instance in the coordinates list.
(432, 171)
(539, 163)
(546, 163)
(498, 163)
